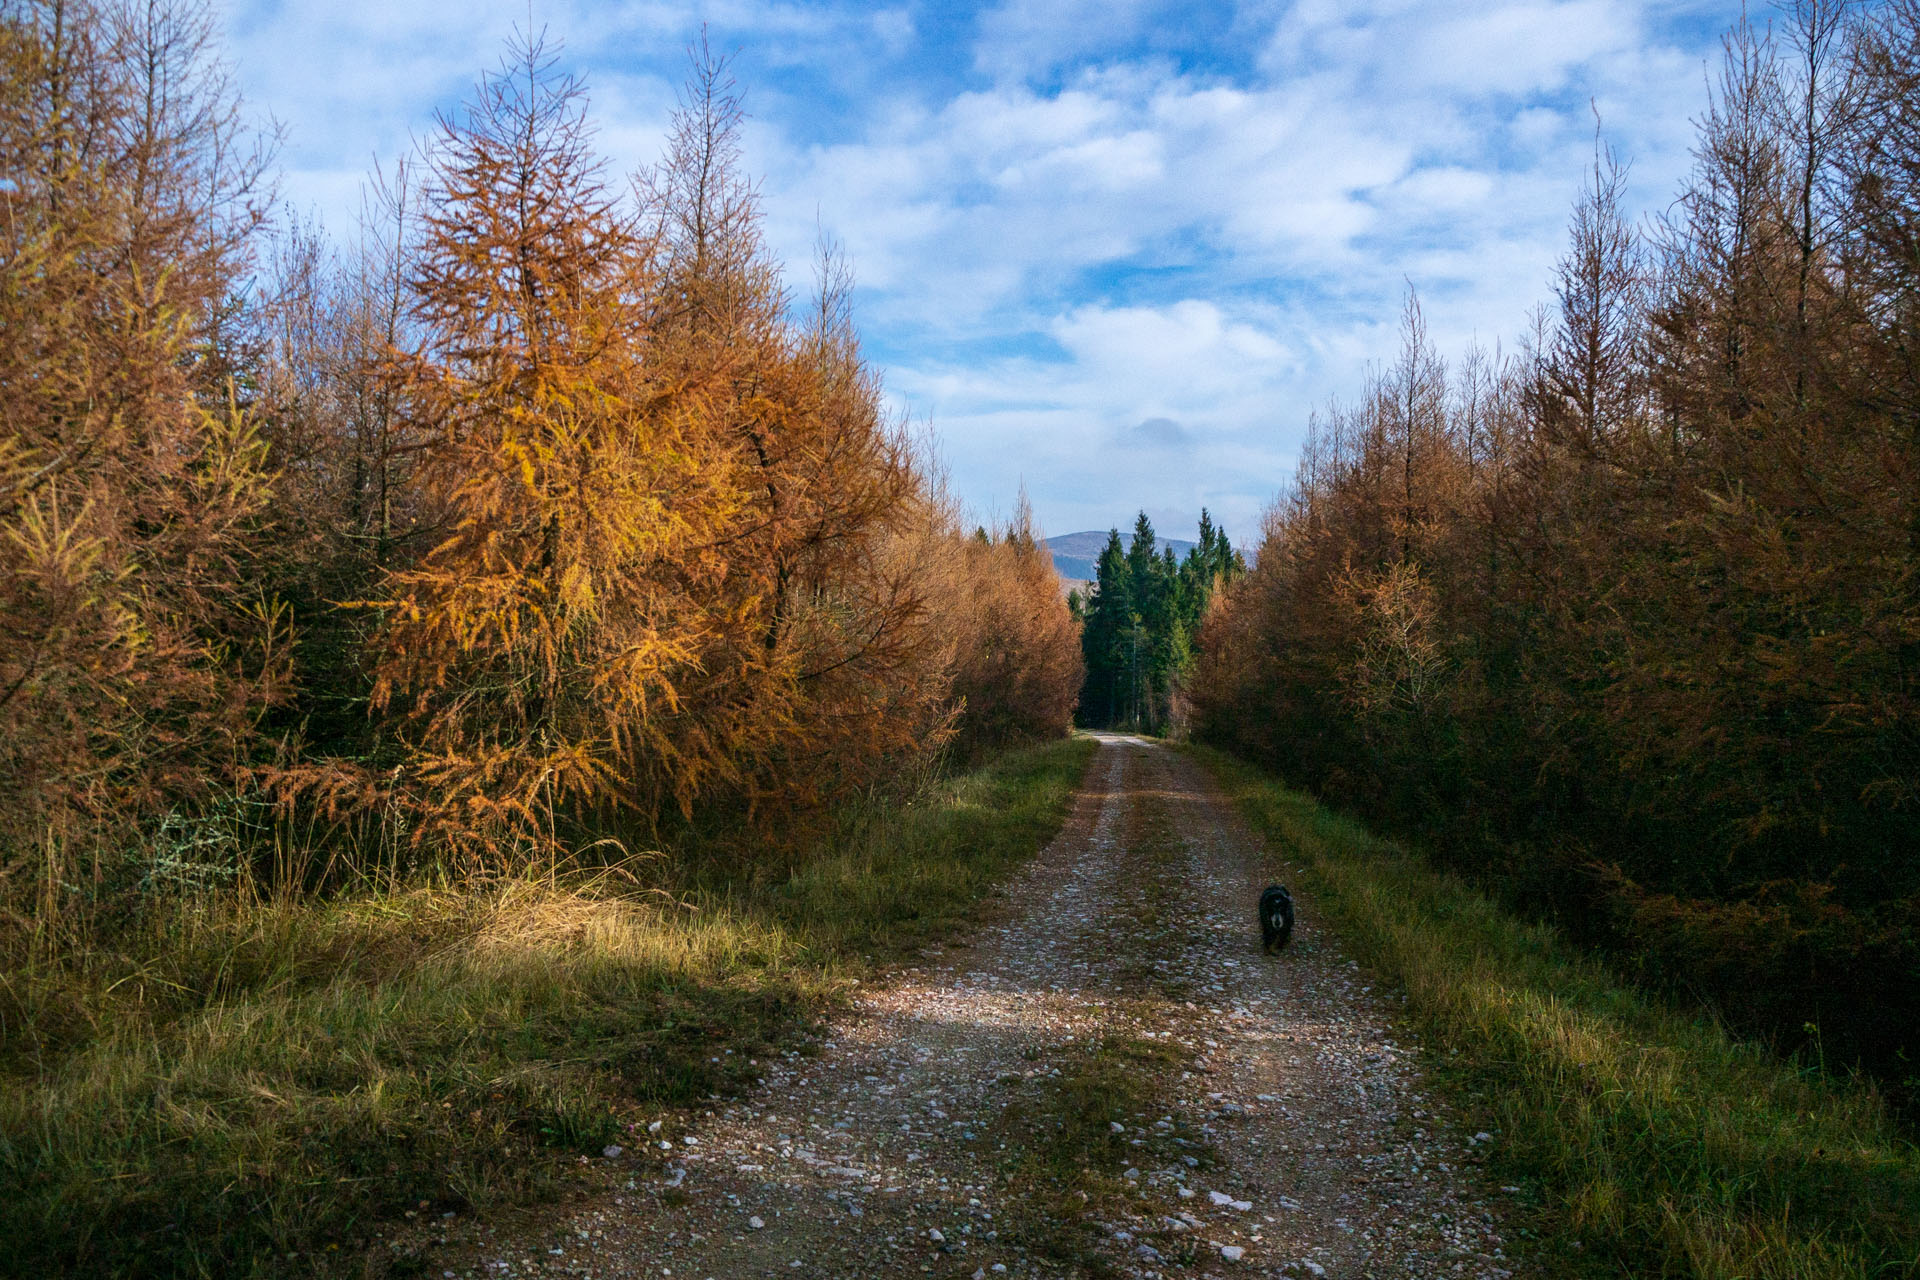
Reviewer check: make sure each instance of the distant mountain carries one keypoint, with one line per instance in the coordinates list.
(1077, 555)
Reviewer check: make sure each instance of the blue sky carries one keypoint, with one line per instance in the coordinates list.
(1116, 251)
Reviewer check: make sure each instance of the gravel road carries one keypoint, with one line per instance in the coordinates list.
(1277, 1123)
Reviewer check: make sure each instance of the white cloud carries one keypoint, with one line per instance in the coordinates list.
(1515, 48)
(1153, 401)
(1066, 224)
(1383, 145)
(1155, 433)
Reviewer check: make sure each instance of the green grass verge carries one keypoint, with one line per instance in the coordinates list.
(1651, 1144)
(252, 1091)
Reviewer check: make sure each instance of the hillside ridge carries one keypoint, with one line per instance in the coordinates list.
(1077, 555)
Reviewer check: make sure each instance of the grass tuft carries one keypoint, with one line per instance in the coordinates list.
(1651, 1143)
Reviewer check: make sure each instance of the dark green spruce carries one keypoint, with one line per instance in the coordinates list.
(1139, 621)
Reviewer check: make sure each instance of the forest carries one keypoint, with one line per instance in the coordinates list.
(1625, 622)
(481, 688)
(1138, 622)
(537, 511)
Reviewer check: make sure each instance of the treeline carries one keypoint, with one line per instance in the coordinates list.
(1138, 622)
(540, 511)
(1629, 622)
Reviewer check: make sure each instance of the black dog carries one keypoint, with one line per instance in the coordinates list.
(1276, 917)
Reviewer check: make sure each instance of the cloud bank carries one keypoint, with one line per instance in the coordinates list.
(1117, 251)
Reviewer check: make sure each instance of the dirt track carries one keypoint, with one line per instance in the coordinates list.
(1279, 1123)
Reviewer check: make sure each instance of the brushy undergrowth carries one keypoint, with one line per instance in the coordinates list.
(1652, 1143)
(251, 1090)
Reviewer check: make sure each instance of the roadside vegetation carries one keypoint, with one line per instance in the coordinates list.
(254, 1086)
(1647, 1140)
(539, 512)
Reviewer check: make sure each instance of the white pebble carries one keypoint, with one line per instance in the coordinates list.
(756, 1222)
(1232, 1252)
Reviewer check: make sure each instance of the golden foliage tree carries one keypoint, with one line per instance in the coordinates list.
(822, 667)
(669, 526)
(133, 658)
(1016, 648)
(570, 507)
(544, 638)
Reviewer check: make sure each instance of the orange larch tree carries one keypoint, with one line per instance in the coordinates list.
(544, 641)
(820, 667)
(134, 656)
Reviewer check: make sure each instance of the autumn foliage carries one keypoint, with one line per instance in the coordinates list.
(541, 512)
(134, 653)
(1627, 621)
(1016, 648)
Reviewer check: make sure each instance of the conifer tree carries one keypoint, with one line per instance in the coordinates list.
(1106, 637)
(541, 645)
(1016, 652)
(821, 664)
(1140, 620)
(135, 651)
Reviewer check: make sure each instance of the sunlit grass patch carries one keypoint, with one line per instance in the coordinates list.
(1648, 1141)
(255, 1090)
